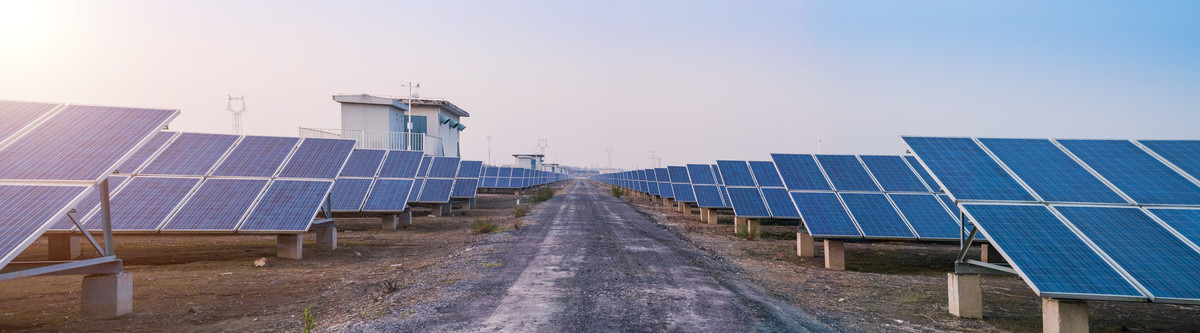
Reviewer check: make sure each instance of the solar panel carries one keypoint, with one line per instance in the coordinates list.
(21, 115)
(800, 172)
(926, 215)
(663, 176)
(402, 164)
(256, 156)
(736, 173)
(765, 174)
(348, 193)
(145, 202)
(1141, 176)
(318, 159)
(436, 190)
(443, 167)
(464, 188)
(91, 202)
(847, 173)
(469, 169)
(968, 172)
(290, 205)
(423, 169)
(708, 196)
(364, 163)
(416, 189)
(143, 154)
(824, 215)
(928, 179)
(27, 209)
(218, 204)
(893, 174)
(876, 216)
(680, 174)
(1184, 221)
(779, 202)
(684, 193)
(191, 154)
(1184, 154)
(391, 195)
(748, 202)
(1050, 172)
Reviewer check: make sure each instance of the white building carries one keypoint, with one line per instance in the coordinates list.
(529, 161)
(381, 122)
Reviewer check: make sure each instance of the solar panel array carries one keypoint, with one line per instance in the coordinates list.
(493, 177)
(1085, 219)
(439, 180)
(376, 180)
(466, 182)
(52, 156)
(756, 190)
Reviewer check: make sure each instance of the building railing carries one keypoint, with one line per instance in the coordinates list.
(367, 139)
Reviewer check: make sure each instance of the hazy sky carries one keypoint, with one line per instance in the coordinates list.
(694, 80)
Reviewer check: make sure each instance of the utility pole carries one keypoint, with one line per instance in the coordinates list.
(408, 117)
(609, 158)
(237, 113)
(490, 162)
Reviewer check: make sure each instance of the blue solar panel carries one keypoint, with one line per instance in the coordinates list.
(800, 172)
(489, 182)
(1163, 264)
(1050, 172)
(679, 174)
(318, 158)
(765, 174)
(966, 170)
(701, 174)
(401, 164)
(824, 215)
(26, 210)
(134, 162)
(290, 205)
(684, 193)
(256, 156)
(876, 216)
(391, 195)
(736, 173)
(717, 174)
(19, 115)
(416, 189)
(348, 193)
(748, 202)
(505, 172)
(1185, 221)
(894, 174)
(443, 167)
(191, 154)
(469, 169)
(780, 203)
(725, 197)
(708, 196)
(1139, 175)
(363, 163)
(218, 205)
(491, 171)
(665, 190)
(464, 188)
(929, 181)
(423, 169)
(927, 216)
(80, 143)
(90, 202)
(144, 203)
(436, 190)
(662, 175)
(847, 173)
(1046, 252)
(949, 203)
(1184, 154)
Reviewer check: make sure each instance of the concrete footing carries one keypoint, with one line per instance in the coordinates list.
(739, 224)
(835, 255)
(668, 202)
(753, 229)
(326, 237)
(1064, 315)
(988, 253)
(441, 210)
(966, 295)
(107, 295)
(685, 207)
(290, 246)
(63, 247)
(395, 221)
(706, 216)
(805, 247)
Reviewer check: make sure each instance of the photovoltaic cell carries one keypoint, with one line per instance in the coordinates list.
(679, 174)
(464, 188)
(363, 163)
(683, 193)
(765, 174)
(489, 182)
(916, 165)
(701, 174)
(134, 162)
(79, 143)
(1050, 172)
(423, 169)
(780, 203)
(490, 171)
(25, 210)
(401, 164)
(1163, 264)
(708, 196)
(19, 115)
(290, 205)
(1184, 154)
(469, 169)
(876, 216)
(444, 167)
(436, 191)
(748, 202)
(927, 215)
(824, 215)
(846, 173)
(144, 203)
(191, 154)
(391, 195)
(800, 172)
(736, 173)
(217, 205)
(967, 170)
(1047, 253)
(665, 190)
(416, 189)
(1142, 177)
(1185, 221)
(348, 193)
(893, 173)
(317, 158)
(256, 156)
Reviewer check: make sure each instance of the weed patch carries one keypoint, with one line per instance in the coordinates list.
(543, 194)
(484, 227)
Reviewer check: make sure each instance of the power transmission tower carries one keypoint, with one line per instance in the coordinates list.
(653, 159)
(609, 157)
(237, 113)
(542, 144)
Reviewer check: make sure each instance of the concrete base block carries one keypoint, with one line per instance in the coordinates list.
(326, 237)
(988, 253)
(966, 295)
(739, 224)
(753, 229)
(290, 247)
(1063, 315)
(64, 247)
(471, 204)
(685, 207)
(107, 295)
(805, 246)
(443, 210)
(404, 218)
(390, 222)
(835, 255)
(668, 202)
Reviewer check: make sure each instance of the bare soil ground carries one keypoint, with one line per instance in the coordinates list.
(895, 286)
(209, 283)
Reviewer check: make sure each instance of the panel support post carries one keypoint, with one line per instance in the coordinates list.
(966, 295)
(1064, 315)
(835, 255)
(668, 202)
(805, 247)
(290, 247)
(390, 222)
(739, 224)
(405, 218)
(753, 229)
(107, 295)
(988, 254)
(442, 210)
(685, 207)
(705, 215)
(64, 247)
(326, 237)
(471, 204)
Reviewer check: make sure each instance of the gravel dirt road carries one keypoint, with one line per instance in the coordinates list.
(586, 261)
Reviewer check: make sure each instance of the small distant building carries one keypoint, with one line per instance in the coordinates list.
(552, 167)
(529, 161)
(381, 122)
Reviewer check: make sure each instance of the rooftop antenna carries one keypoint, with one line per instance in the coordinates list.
(237, 113)
(408, 127)
(818, 145)
(490, 162)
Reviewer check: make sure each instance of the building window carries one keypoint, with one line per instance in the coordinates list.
(419, 125)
